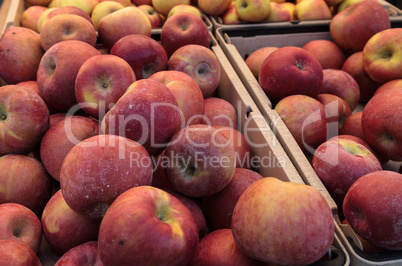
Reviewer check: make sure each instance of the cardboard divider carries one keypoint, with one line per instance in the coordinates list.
(238, 43)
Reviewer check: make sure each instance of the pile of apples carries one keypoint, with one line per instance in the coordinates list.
(115, 149)
(341, 99)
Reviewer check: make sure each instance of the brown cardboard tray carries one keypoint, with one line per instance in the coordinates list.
(238, 43)
(216, 21)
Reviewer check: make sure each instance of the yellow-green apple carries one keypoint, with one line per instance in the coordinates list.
(353, 125)
(141, 2)
(214, 8)
(243, 149)
(200, 63)
(395, 84)
(382, 121)
(135, 21)
(278, 13)
(65, 27)
(182, 29)
(61, 138)
(58, 70)
(255, 59)
(24, 181)
(312, 10)
(344, 4)
(218, 208)
(306, 120)
(381, 55)
(290, 70)
(30, 17)
(43, 17)
(291, 7)
(38, 2)
(253, 10)
(354, 66)
(194, 206)
(372, 208)
(187, 93)
(164, 6)
(122, 2)
(83, 254)
(145, 55)
(231, 16)
(270, 214)
(185, 8)
(201, 161)
(20, 53)
(100, 83)
(14, 252)
(219, 248)
(20, 223)
(64, 228)
(349, 28)
(327, 52)
(336, 110)
(339, 162)
(136, 224)
(341, 84)
(333, 3)
(103, 9)
(86, 5)
(98, 169)
(219, 112)
(24, 119)
(153, 15)
(147, 113)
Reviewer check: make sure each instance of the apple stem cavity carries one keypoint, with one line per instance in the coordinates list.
(244, 4)
(387, 54)
(17, 232)
(184, 26)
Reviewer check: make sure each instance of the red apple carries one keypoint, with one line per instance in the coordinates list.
(147, 113)
(219, 207)
(69, 9)
(327, 52)
(159, 178)
(145, 55)
(182, 29)
(20, 52)
(290, 70)
(219, 248)
(61, 138)
(339, 162)
(243, 149)
(84, 254)
(24, 119)
(341, 84)
(187, 93)
(98, 169)
(153, 15)
(33, 86)
(219, 112)
(65, 27)
(231, 17)
(64, 228)
(255, 59)
(193, 9)
(30, 17)
(14, 252)
(20, 223)
(100, 82)
(382, 55)
(200, 63)
(58, 70)
(103, 9)
(201, 161)
(395, 84)
(372, 208)
(214, 8)
(352, 28)
(278, 13)
(25, 181)
(306, 120)
(271, 214)
(111, 29)
(353, 126)
(353, 65)
(136, 224)
(382, 121)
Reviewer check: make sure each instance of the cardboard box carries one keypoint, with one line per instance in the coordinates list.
(391, 9)
(12, 10)
(238, 43)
